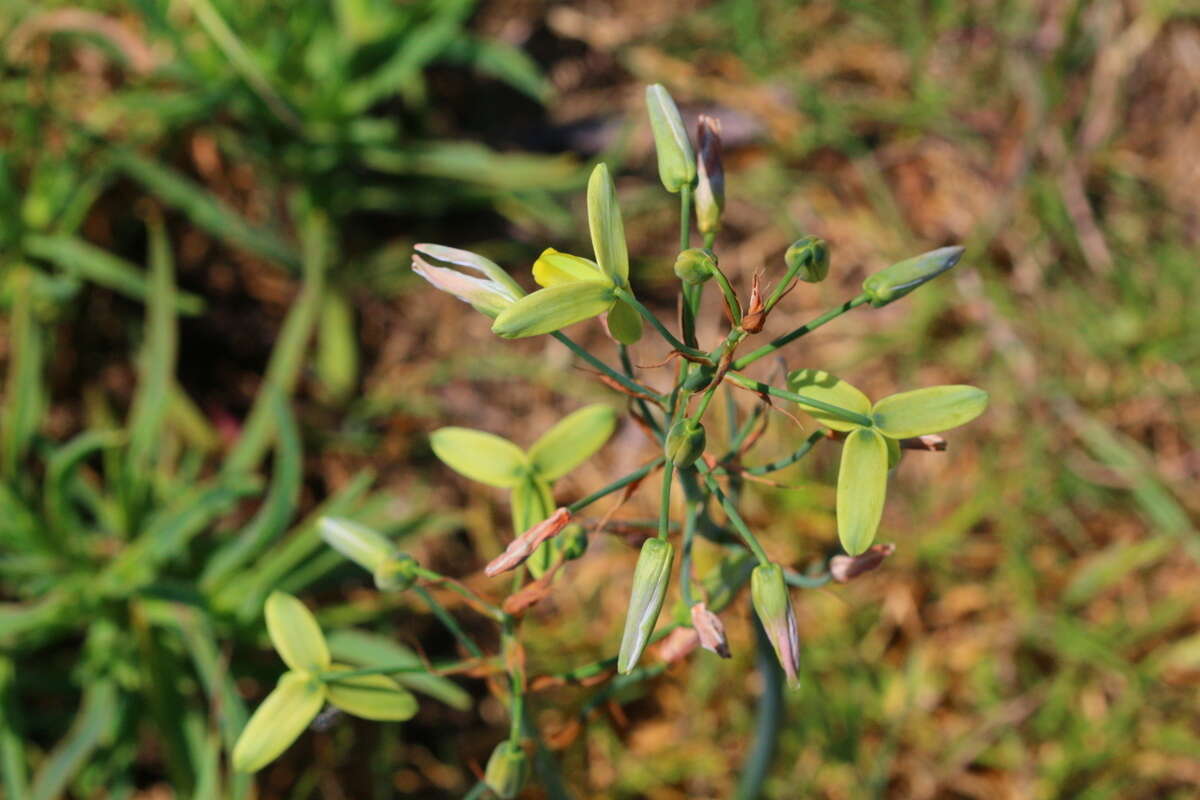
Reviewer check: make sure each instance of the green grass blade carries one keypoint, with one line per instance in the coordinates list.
(76, 257)
(277, 509)
(157, 364)
(12, 746)
(204, 210)
(288, 356)
(25, 396)
(94, 722)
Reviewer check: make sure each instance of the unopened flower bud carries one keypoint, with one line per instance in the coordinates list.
(892, 283)
(685, 442)
(699, 378)
(523, 546)
(572, 542)
(356, 542)
(710, 629)
(808, 259)
(845, 568)
(676, 163)
(773, 604)
(650, 580)
(695, 265)
(396, 574)
(507, 770)
(710, 174)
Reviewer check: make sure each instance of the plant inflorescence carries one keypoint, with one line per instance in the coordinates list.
(547, 536)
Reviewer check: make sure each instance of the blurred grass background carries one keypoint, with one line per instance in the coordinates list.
(1037, 633)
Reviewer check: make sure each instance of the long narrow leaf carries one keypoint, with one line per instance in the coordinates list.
(76, 257)
(283, 370)
(96, 718)
(25, 396)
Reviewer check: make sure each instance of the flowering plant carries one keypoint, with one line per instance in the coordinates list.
(547, 536)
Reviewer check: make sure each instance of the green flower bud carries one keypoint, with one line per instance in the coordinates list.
(676, 163)
(773, 604)
(396, 574)
(507, 770)
(808, 259)
(356, 542)
(650, 580)
(695, 265)
(572, 542)
(892, 283)
(700, 378)
(685, 442)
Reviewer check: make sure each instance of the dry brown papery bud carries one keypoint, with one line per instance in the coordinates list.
(755, 316)
(678, 645)
(710, 629)
(844, 569)
(523, 546)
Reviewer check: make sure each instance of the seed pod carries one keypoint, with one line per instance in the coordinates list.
(892, 283)
(676, 163)
(507, 770)
(396, 574)
(700, 378)
(650, 580)
(773, 604)
(710, 176)
(572, 542)
(695, 265)
(685, 442)
(808, 259)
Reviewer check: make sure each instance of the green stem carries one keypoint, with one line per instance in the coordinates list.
(731, 511)
(616, 485)
(477, 602)
(685, 216)
(664, 510)
(336, 675)
(820, 405)
(631, 385)
(627, 296)
(685, 562)
(767, 719)
(627, 366)
(775, 344)
(787, 461)
(600, 667)
(731, 298)
(448, 621)
(620, 682)
(806, 581)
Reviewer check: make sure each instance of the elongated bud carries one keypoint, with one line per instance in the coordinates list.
(676, 163)
(650, 580)
(710, 175)
(695, 265)
(892, 283)
(685, 442)
(356, 542)
(507, 770)
(710, 629)
(523, 546)
(808, 259)
(773, 604)
(846, 568)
